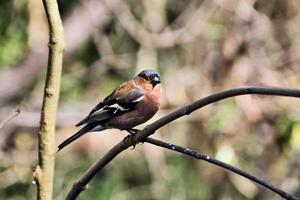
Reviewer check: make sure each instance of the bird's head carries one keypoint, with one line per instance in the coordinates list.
(150, 75)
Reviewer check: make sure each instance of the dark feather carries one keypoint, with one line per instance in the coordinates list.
(118, 100)
(83, 121)
(81, 132)
(107, 101)
(102, 115)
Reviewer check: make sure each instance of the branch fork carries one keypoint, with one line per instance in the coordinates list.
(143, 136)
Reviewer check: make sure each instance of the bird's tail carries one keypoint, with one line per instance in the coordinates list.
(81, 132)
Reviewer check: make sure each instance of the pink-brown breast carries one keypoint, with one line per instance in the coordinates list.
(142, 112)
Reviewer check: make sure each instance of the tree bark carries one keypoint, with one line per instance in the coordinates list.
(44, 172)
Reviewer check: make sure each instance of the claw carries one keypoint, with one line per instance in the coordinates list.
(126, 138)
(133, 147)
(132, 133)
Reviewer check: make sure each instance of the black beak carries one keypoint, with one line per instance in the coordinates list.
(155, 80)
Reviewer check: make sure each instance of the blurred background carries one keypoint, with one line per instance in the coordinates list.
(199, 47)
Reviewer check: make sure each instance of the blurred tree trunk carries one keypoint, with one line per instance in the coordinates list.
(44, 172)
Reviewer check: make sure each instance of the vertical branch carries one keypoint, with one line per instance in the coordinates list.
(45, 170)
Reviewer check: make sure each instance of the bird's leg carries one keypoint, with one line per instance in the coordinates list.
(133, 130)
(132, 133)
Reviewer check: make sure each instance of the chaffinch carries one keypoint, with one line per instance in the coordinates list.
(132, 103)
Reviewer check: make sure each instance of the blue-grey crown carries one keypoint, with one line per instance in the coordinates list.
(148, 73)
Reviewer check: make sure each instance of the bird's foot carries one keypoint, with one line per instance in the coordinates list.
(125, 140)
(132, 135)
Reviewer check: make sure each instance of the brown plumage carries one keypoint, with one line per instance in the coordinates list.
(143, 111)
(132, 103)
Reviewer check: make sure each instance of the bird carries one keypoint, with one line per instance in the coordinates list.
(132, 103)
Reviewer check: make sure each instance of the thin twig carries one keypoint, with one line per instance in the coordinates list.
(10, 117)
(201, 156)
(142, 135)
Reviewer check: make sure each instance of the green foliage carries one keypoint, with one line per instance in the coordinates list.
(66, 6)
(13, 22)
(71, 86)
(121, 41)
(285, 126)
(225, 117)
(15, 192)
(87, 54)
(132, 179)
(184, 180)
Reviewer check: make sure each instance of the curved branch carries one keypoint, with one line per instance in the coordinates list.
(201, 156)
(142, 135)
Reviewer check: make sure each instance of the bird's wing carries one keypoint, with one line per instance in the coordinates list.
(121, 100)
(129, 97)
